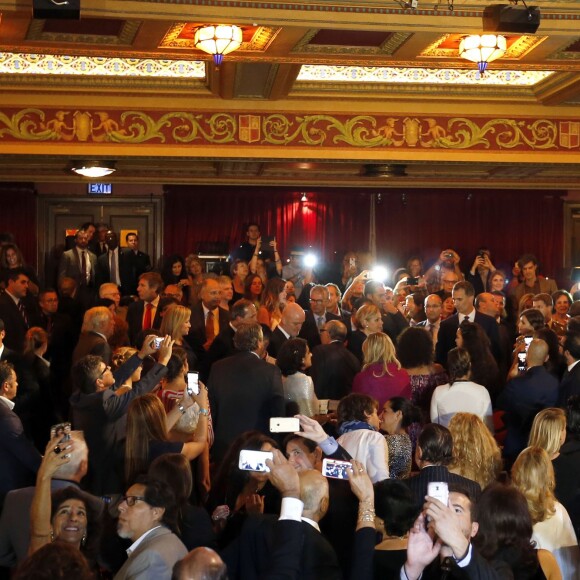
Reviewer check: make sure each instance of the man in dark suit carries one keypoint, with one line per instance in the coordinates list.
(79, 263)
(570, 384)
(208, 319)
(432, 306)
(98, 327)
(333, 306)
(463, 297)
(17, 311)
(333, 365)
(525, 396)
(113, 265)
(138, 263)
(317, 316)
(244, 390)
(18, 457)
(293, 318)
(144, 314)
(393, 320)
(6, 354)
(433, 453)
(98, 243)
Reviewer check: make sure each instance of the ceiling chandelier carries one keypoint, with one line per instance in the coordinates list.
(482, 49)
(93, 169)
(218, 40)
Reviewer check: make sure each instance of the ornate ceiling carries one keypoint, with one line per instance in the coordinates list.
(318, 92)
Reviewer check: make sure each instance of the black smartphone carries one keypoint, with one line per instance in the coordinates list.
(412, 281)
(267, 240)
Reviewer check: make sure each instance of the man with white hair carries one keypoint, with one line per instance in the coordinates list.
(98, 327)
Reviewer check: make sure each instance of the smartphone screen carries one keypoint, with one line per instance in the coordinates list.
(61, 429)
(192, 384)
(251, 460)
(522, 362)
(335, 468)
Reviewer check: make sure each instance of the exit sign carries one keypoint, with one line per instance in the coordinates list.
(100, 188)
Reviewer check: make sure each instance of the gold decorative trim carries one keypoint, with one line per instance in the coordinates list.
(359, 74)
(393, 42)
(125, 38)
(260, 40)
(564, 54)
(518, 49)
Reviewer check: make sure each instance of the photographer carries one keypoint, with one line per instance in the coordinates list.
(297, 271)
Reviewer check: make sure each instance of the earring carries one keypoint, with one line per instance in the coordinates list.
(84, 539)
(51, 535)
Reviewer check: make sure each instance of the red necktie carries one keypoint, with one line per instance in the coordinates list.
(209, 330)
(147, 322)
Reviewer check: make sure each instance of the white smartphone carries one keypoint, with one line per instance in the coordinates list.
(157, 342)
(439, 490)
(284, 425)
(335, 468)
(522, 362)
(192, 384)
(527, 341)
(251, 460)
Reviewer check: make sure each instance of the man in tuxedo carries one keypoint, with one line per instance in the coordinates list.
(19, 459)
(433, 304)
(463, 298)
(138, 263)
(316, 317)
(333, 365)
(144, 314)
(433, 453)
(98, 327)
(113, 265)
(148, 517)
(293, 317)
(208, 319)
(570, 384)
(16, 310)
(244, 390)
(393, 321)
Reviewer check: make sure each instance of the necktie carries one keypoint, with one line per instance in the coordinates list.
(114, 268)
(466, 318)
(320, 322)
(84, 266)
(432, 329)
(22, 310)
(147, 321)
(209, 330)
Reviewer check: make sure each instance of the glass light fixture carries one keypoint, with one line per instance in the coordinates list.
(482, 49)
(218, 40)
(93, 169)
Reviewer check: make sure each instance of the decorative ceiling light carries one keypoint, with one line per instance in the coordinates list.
(304, 197)
(218, 40)
(93, 169)
(482, 49)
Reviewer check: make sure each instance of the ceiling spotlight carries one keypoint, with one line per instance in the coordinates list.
(304, 198)
(93, 169)
(482, 49)
(218, 40)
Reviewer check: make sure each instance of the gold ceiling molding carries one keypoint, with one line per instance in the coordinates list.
(260, 41)
(565, 54)
(125, 37)
(359, 74)
(392, 43)
(518, 49)
(49, 64)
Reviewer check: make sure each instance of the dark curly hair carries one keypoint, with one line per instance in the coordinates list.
(415, 347)
(55, 560)
(291, 355)
(354, 406)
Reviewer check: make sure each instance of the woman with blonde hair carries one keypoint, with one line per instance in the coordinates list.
(176, 323)
(120, 357)
(476, 454)
(381, 376)
(549, 431)
(533, 475)
(367, 320)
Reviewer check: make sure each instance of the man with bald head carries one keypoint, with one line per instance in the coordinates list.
(526, 395)
(201, 564)
(293, 317)
(433, 304)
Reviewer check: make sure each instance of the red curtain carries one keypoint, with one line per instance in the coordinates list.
(408, 222)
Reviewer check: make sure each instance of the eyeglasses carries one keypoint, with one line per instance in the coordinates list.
(107, 368)
(131, 500)
(316, 301)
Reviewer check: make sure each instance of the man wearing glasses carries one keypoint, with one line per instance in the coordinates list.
(317, 316)
(148, 517)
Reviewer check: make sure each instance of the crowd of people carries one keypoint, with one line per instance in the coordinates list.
(133, 402)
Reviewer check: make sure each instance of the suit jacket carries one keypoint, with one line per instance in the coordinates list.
(135, 320)
(70, 267)
(197, 338)
(448, 331)
(547, 286)
(18, 457)
(309, 330)
(244, 392)
(103, 273)
(393, 325)
(137, 264)
(570, 385)
(277, 340)
(154, 557)
(221, 347)
(14, 323)
(418, 483)
(333, 370)
(92, 343)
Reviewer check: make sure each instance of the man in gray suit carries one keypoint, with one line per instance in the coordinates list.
(148, 517)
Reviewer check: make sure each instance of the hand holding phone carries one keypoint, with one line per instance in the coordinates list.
(157, 342)
(251, 460)
(439, 490)
(335, 469)
(61, 430)
(192, 384)
(284, 424)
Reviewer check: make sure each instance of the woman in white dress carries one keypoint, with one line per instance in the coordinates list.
(460, 395)
(533, 475)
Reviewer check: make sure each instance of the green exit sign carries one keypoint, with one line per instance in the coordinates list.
(100, 188)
